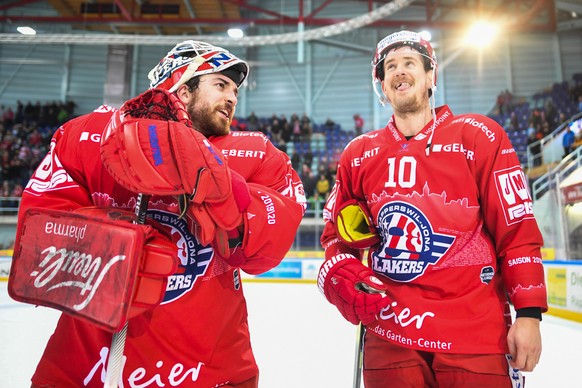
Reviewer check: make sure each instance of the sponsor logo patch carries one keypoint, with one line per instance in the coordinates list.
(514, 195)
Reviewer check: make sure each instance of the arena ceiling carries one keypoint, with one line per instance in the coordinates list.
(203, 17)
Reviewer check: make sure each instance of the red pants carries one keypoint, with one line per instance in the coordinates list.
(250, 383)
(386, 365)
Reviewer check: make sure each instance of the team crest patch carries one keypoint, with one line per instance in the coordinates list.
(487, 274)
(194, 257)
(409, 244)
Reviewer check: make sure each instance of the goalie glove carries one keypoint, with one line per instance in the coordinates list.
(154, 154)
(221, 224)
(93, 264)
(353, 288)
(158, 157)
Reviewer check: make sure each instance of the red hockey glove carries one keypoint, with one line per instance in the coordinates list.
(354, 225)
(353, 288)
(169, 158)
(165, 158)
(225, 215)
(156, 104)
(94, 264)
(154, 154)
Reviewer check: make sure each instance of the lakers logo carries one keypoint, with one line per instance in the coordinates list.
(409, 244)
(194, 257)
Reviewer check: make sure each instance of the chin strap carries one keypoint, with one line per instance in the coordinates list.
(432, 104)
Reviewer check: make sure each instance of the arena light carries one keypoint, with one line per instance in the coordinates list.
(24, 30)
(481, 34)
(235, 33)
(426, 35)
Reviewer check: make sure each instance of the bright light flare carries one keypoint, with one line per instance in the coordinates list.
(26, 30)
(235, 33)
(481, 34)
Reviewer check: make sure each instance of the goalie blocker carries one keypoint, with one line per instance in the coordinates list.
(93, 264)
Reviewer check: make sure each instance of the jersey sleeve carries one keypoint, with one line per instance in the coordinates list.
(507, 210)
(51, 185)
(59, 182)
(277, 204)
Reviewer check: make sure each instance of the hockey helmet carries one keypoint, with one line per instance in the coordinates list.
(393, 41)
(192, 58)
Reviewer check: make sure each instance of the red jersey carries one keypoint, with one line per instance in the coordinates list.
(457, 231)
(199, 335)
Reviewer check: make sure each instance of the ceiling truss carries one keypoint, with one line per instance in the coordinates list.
(196, 17)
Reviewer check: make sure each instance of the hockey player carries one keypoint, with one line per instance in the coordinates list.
(198, 336)
(442, 206)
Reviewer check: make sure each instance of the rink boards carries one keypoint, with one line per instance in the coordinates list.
(563, 278)
(297, 267)
(564, 283)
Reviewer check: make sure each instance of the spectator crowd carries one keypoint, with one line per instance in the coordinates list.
(26, 130)
(25, 133)
(529, 120)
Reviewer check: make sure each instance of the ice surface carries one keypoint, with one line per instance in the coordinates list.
(298, 338)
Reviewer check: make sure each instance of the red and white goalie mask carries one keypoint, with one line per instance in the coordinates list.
(192, 58)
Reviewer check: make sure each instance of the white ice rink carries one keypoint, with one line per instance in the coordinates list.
(300, 341)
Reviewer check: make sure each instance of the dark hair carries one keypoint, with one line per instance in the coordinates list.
(425, 60)
(427, 63)
(193, 83)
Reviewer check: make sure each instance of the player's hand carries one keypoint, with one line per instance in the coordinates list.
(353, 288)
(525, 343)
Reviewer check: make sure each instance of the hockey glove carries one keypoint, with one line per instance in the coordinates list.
(221, 224)
(353, 288)
(158, 157)
(149, 155)
(94, 264)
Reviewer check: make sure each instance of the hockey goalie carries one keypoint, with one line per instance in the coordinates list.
(216, 202)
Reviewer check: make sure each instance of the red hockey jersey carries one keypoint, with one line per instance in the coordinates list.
(457, 231)
(199, 335)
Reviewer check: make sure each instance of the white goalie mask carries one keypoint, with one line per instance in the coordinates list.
(192, 58)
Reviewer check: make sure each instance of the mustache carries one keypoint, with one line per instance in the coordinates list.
(228, 107)
(402, 80)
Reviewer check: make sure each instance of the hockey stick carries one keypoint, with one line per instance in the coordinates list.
(359, 359)
(359, 356)
(118, 342)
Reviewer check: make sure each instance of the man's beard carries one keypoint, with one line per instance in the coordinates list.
(207, 121)
(410, 104)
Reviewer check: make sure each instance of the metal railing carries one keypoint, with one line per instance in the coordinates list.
(557, 174)
(550, 210)
(307, 237)
(550, 147)
(9, 206)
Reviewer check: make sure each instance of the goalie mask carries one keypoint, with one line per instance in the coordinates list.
(393, 41)
(190, 59)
